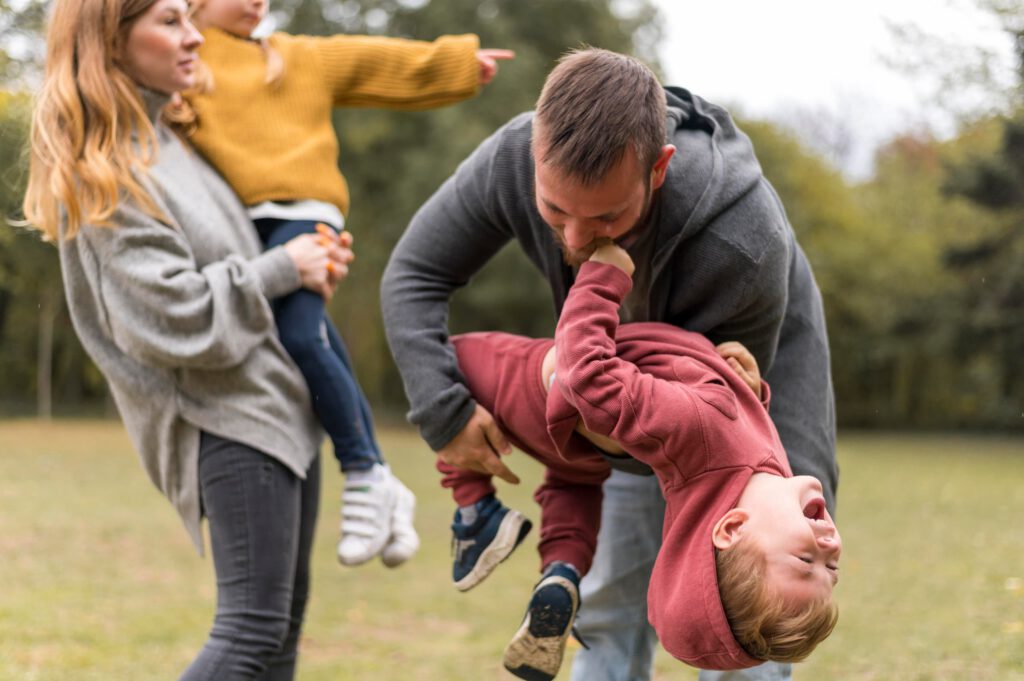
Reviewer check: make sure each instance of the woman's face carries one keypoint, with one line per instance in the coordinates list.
(160, 50)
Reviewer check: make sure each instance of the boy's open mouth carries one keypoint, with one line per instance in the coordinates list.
(815, 509)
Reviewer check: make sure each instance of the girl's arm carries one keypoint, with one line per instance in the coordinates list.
(373, 71)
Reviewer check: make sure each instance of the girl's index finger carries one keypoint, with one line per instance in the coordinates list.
(493, 53)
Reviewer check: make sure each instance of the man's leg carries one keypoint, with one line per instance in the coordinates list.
(613, 614)
(769, 671)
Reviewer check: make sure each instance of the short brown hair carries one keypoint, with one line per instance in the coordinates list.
(594, 105)
(759, 618)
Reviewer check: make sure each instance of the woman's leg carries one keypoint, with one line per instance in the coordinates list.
(282, 665)
(255, 509)
(305, 331)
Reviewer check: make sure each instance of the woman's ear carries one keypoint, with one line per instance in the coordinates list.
(729, 528)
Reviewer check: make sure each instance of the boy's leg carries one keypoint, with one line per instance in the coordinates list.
(570, 517)
(536, 650)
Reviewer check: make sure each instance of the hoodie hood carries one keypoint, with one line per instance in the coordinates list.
(714, 165)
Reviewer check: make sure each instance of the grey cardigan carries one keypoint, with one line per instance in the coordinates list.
(177, 317)
(725, 263)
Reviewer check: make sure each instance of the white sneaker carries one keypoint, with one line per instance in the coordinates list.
(404, 541)
(368, 504)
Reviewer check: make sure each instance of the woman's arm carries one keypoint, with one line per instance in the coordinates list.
(163, 309)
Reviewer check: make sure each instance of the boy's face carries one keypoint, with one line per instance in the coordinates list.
(787, 519)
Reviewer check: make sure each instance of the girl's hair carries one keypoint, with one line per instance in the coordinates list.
(83, 159)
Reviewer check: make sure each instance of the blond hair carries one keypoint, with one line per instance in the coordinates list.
(83, 160)
(763, 624)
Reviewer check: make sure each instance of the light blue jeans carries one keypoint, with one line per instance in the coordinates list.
(613, 615)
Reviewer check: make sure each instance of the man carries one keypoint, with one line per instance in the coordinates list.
(610, 153)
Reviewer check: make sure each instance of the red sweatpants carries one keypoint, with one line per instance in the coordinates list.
(503, 372)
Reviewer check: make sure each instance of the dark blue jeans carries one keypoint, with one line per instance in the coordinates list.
(309, 336)
(262, 519)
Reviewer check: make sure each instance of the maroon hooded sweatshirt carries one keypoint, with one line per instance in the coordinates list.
(668, 398)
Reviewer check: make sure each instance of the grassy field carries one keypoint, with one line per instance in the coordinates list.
(98, 580)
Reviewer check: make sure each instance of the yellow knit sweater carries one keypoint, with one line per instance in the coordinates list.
(276, 142)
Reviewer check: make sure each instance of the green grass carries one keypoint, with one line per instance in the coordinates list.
(98, 579)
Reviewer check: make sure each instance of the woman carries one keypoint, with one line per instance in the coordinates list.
(169, 294)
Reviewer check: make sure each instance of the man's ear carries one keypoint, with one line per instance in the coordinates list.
(661, 166)
(729, 528)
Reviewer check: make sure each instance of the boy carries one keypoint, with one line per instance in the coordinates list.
(749, 554)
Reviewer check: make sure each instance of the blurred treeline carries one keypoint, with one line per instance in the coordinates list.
(921, 265)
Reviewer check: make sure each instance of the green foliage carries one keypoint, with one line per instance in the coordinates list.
(920, 267)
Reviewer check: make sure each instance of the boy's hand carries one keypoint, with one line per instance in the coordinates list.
(488, 61)
(611, 253)
(743, 363)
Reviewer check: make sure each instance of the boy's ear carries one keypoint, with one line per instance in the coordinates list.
(729, 528)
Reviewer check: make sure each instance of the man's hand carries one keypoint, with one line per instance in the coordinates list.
(743, 363)
(611, 253)
(479, 447)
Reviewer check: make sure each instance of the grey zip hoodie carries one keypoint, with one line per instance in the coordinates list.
(177, 318)
(725, 264)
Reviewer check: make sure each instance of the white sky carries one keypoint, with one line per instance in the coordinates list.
(766, 57)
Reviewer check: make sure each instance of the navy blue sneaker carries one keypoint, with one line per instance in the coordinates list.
(488, 540)
(535, 653)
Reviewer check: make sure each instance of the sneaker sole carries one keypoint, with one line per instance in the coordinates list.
(533, 653)
(513, 529)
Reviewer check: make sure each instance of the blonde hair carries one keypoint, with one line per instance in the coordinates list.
(83, 161)
(763, 624)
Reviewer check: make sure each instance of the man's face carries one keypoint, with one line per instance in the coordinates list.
(581, 214)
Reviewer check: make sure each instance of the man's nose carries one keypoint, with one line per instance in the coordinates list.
(576, 235)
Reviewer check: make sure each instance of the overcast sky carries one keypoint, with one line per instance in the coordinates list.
(769, 57)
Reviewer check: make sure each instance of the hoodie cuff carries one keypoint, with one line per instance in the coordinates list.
(277, 273)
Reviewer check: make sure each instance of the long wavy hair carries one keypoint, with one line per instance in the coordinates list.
(83, 158)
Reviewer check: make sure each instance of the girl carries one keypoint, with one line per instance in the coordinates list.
(169, 294)
(265, 123)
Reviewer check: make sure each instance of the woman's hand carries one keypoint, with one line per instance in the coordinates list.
(488, 61)
(611, 253)
(322, 259)
(743, 363)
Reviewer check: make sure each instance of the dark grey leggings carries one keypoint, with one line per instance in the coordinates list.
(261, 519)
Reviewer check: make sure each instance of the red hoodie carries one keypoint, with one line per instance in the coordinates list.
(668, 399)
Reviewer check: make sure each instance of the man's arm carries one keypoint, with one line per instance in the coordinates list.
(449, 239)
